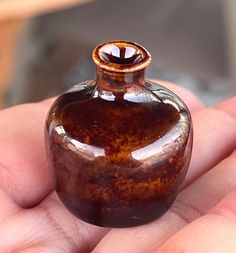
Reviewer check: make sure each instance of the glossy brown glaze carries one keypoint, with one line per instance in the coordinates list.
(118, 147)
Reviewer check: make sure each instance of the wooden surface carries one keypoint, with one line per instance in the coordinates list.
(13, 14)
(15, 9)
(9, 33)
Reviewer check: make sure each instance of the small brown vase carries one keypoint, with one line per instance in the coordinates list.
(118, 147)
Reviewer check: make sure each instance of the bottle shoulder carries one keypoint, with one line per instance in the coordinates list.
(166, 95)
(121, 126)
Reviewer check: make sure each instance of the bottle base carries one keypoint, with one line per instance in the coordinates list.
(103, 214)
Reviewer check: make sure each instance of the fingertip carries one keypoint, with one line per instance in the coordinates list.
(228, 106)
(48, 101)
(226, 208)
(190, 99)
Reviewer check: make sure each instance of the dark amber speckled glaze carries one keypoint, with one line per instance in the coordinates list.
(118, 147)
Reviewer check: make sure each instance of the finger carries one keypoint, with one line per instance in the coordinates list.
(214, 232)
(23, 166)
(24, 172)
(48, 101)
(192, 101)
(196, 199)
(214, 137)
(228, 106)
(49, 227)
(7, 207)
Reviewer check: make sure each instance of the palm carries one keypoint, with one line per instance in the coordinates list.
(32, 219)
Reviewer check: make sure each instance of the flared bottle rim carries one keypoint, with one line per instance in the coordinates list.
(121, 56)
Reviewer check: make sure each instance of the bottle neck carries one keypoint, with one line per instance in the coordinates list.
(117, 81)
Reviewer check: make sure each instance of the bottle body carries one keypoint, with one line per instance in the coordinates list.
(118, 158)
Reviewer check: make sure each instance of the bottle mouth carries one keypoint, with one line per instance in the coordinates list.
(121, 56)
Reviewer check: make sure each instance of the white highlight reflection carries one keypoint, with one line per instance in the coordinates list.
(87, 151)
(157, 149)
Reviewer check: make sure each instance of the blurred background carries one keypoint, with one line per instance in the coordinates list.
(46, 45)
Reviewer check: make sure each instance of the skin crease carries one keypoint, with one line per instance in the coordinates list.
(202, 219)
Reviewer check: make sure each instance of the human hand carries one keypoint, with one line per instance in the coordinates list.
(202, 219)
